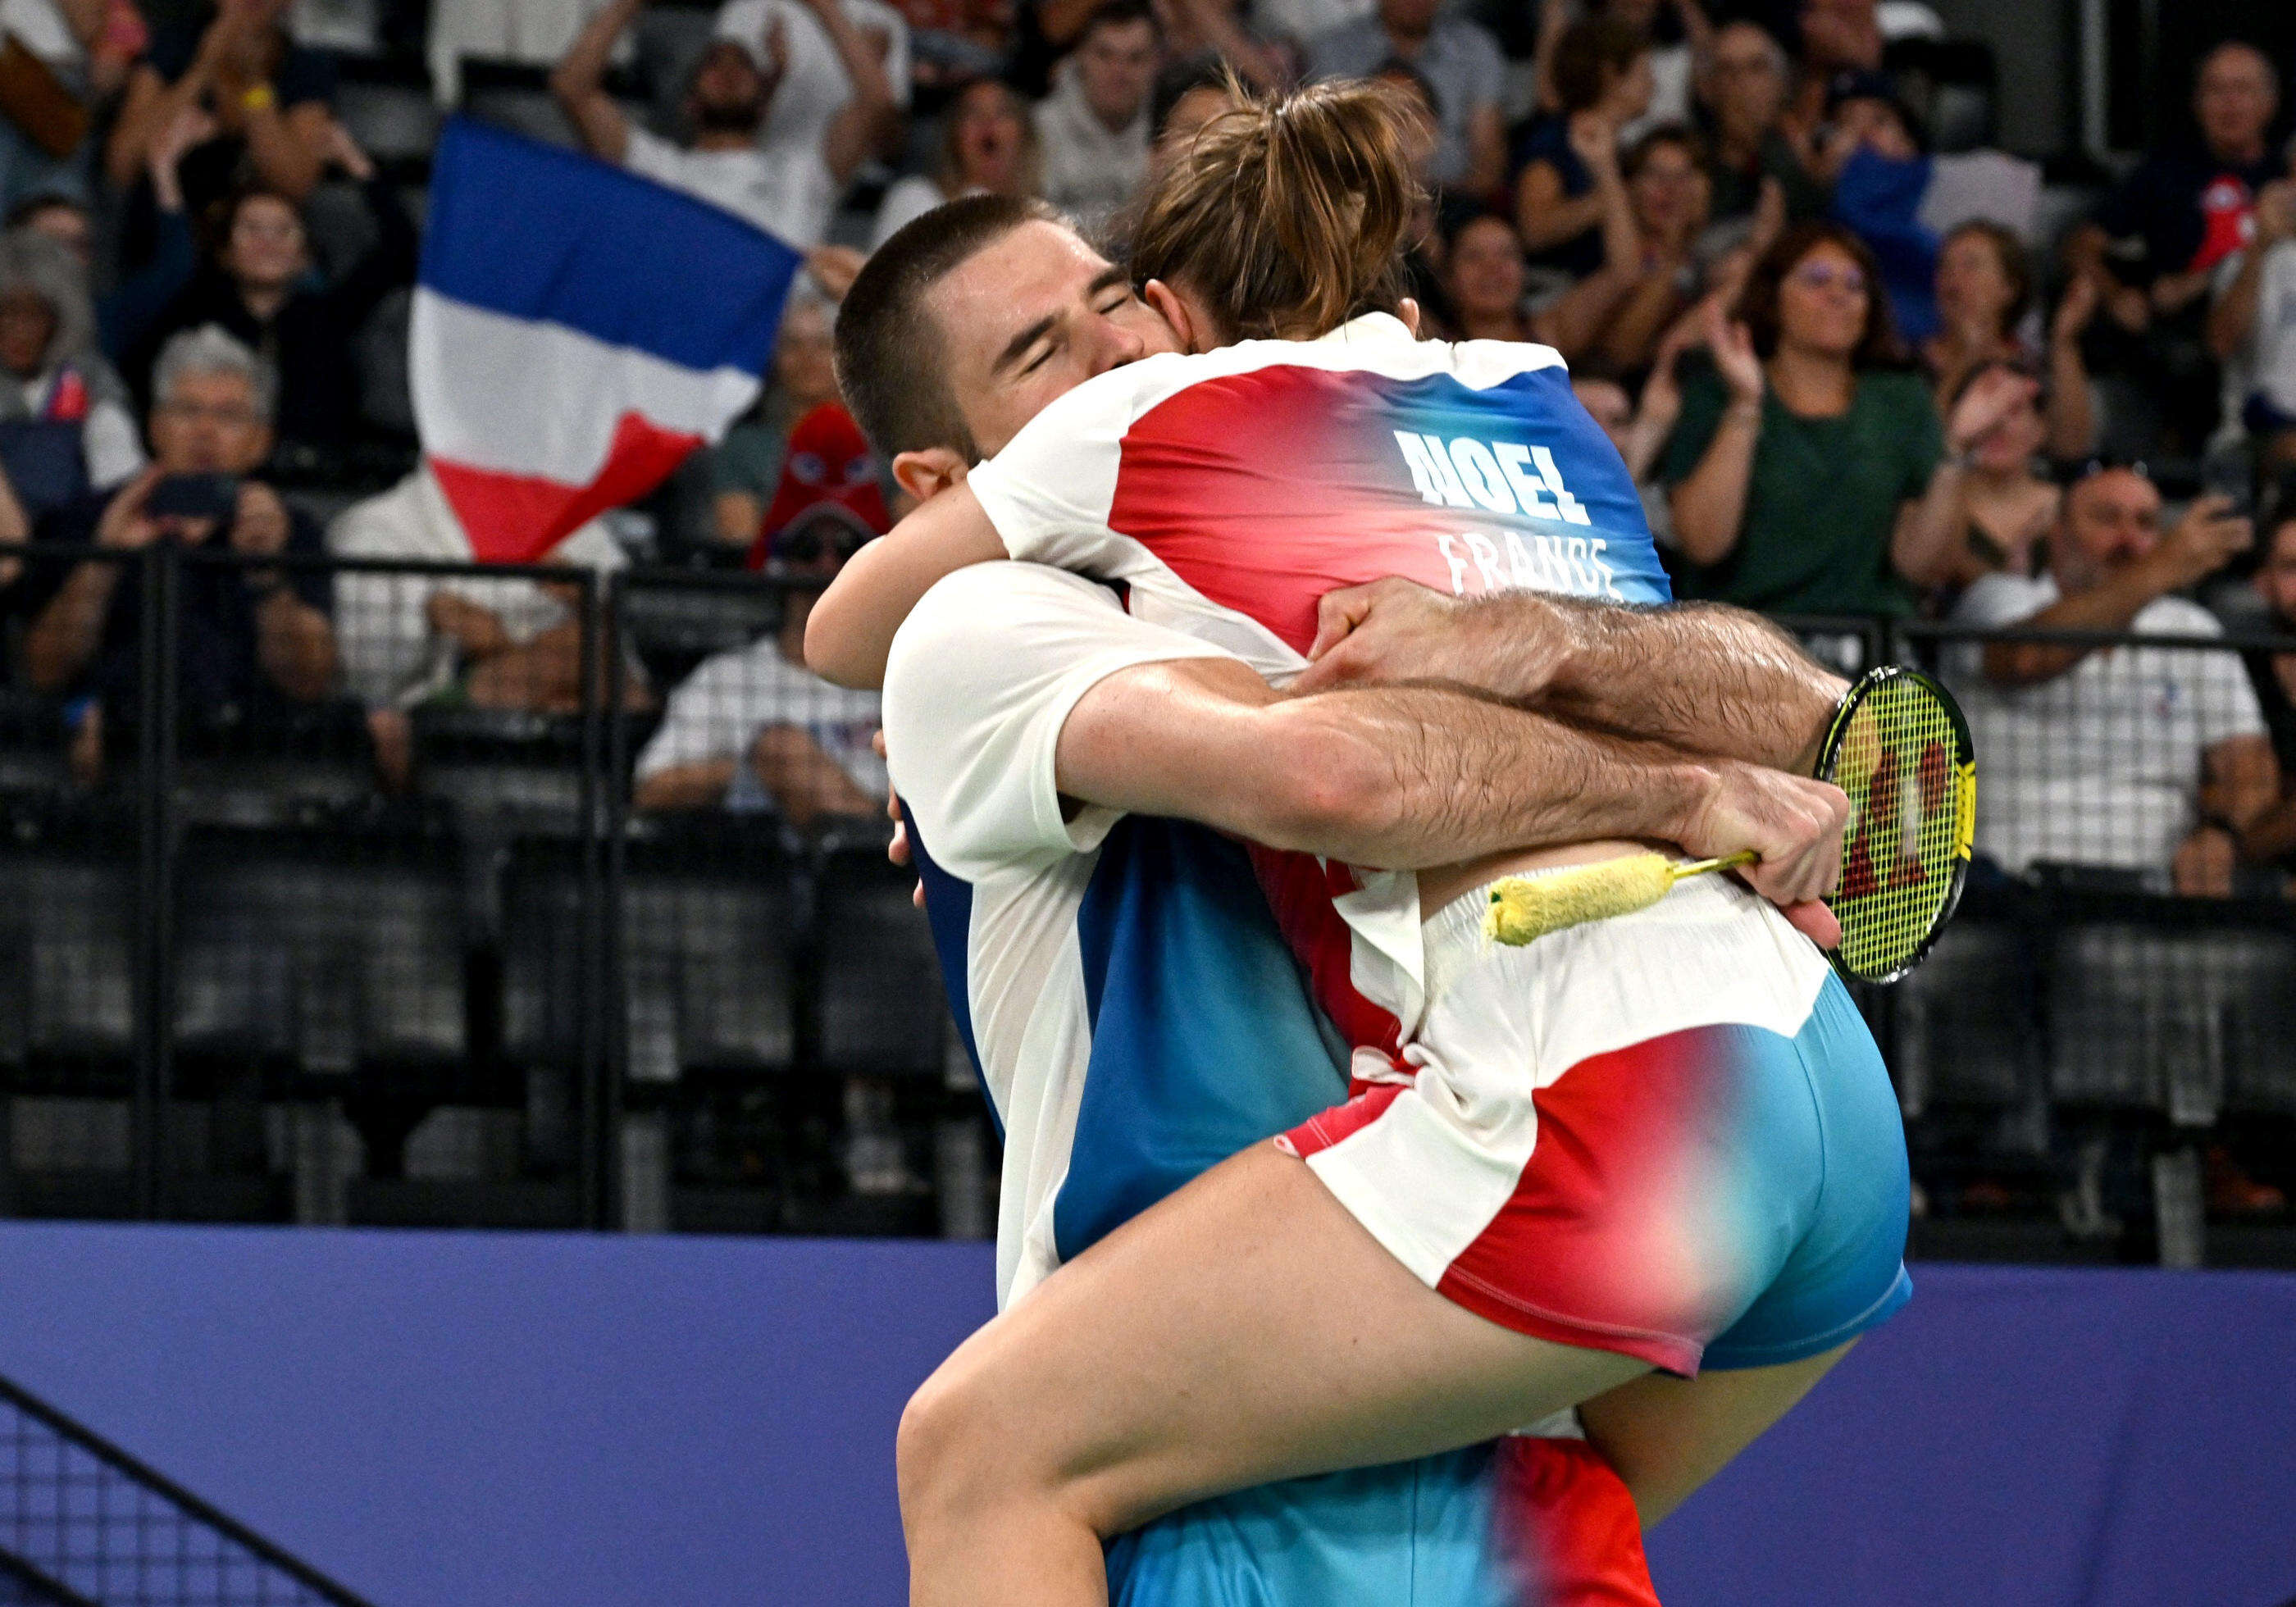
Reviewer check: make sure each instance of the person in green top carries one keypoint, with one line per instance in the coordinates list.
(1808, 474)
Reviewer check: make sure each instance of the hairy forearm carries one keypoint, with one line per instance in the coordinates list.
(1397, 777)
(1705, 678)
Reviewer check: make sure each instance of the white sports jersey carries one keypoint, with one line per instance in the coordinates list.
(1231, 489)
(1101, 968)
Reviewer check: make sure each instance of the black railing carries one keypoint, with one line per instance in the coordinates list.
(558, 898)
(84, 1524)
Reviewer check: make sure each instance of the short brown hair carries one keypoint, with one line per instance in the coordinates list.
(1590, 53)
(892, 362)
(1287, 215)
(1877, 348)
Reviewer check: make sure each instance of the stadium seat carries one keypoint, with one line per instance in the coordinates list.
(327, 951)
(482, 761)
(258, 767)
(32, 738)
(709, 924)
(68, 949)
(880, 1007)
(710, 934)
(2135, 1021)
(2257, 971)
(1965, 1030)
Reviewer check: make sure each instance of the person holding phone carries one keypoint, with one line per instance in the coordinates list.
(247, 635)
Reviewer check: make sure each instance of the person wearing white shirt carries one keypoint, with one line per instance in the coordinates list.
(755, 729)
(405, 638)
(1094, 126)
(785, 184)
(2142, 758)
(820, 80)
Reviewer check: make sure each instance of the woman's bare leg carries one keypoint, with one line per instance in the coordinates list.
(1246, 1329)
(1666, 1436)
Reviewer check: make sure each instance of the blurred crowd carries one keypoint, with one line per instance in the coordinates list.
(1865, 365)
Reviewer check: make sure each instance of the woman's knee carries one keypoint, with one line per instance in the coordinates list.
(970, 1448)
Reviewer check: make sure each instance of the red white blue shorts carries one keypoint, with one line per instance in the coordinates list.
(1667, 1135)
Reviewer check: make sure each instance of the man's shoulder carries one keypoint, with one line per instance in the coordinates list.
(2176, 617)
(2004, 599)
(987, 599)
(1464, 35)
(1347, 47)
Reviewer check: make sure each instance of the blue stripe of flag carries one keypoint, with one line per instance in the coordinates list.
(534, 232)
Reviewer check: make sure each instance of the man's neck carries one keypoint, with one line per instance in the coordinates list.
(2239, 156)
(1812, 386)
(1407, 46)
(725, 139)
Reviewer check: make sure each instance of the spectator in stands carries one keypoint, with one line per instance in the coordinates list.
(1873, 150)
(268, 98)
(248, 635)
(756, 728)
(2007, 504)
(1094, 126)
(66, 427)
(746, 465)
(1457, 59)
(2251, 328)
(1483, 281)
(786, 186)
(1838, 36)
(1984, 291)
(816, 83)
(1742, 85)
(1570, 185)
(43, 118)
(1807, 475)
(2147, 759)
(2270, 838)
(956, 41)
(989, 145)
(258, 284)
(1670, 61)
(2154, 247)
(1188, 95)
(1261, 45)
(62, 219)
(496, 644)
(1638, 429)
(1667, 192)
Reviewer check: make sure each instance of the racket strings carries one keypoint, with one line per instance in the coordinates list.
(1912, 795)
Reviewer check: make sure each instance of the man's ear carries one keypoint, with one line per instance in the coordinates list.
(926, 475)
(1174, 311)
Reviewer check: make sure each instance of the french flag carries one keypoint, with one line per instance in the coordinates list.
(577, 330)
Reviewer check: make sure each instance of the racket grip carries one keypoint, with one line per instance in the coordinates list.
(1728, 862)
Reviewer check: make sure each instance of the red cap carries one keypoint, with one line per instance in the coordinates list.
(828, 462)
